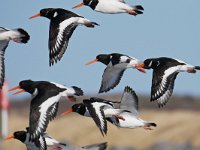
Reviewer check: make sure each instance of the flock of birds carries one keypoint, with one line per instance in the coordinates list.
(46, 95)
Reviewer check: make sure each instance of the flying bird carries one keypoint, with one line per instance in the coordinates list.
(112, 6)
(116, 65)
(62, 25)
(24, 137)
(44, 103)
(97, 108)
(45, 141)
(165, 71)
(129, 102)
(18, 35)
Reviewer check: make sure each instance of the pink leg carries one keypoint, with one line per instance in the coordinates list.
(131, 12)
(120, 117)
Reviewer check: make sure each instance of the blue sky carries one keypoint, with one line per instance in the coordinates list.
(167, 28)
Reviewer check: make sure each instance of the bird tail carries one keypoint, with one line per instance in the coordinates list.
(100, 146)
(78, 91)
(197, 67)
(138, 9)
(148, 124)
(23, 36)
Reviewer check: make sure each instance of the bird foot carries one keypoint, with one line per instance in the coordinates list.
(148, 128)
(120, 117)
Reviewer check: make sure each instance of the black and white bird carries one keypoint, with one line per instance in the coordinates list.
(129, 102)
(44, 103)
(116, 65)
(98, 109)
(62, 25)
(67, 146)
(24, 137)
(112, 6)
(18, 35)
(165, 71)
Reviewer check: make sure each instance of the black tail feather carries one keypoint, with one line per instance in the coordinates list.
(24, 35)
(139, 7)
(78, 91)
(197, 67)
(151, 124)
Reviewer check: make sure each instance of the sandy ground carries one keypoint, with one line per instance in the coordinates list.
(173, 126)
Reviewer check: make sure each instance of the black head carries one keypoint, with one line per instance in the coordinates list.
(48, 12)
(20, 135)
(28, 85)
(87, 2)
(104, 58)
(91, 3)
(79, 108)
(151, 63)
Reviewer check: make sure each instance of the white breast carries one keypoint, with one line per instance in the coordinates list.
(112, 7)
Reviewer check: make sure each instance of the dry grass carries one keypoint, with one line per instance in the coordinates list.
(173, 126)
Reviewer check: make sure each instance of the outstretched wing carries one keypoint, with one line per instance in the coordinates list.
(111, 78)
(40, 116)
(129, 101)
(3, 46)
(96, 112)
(100, 146)
(163, 85)
(59, 35)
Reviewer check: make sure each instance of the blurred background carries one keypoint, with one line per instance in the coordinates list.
(167, 28)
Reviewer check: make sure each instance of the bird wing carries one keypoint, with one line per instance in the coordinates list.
(59, 35)
(100, 146)
(129, 101)
(40, 116)
(3, 46)
(163, 84)
(111, 78)
(96, 112)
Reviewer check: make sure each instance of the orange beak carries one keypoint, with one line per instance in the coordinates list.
(15, 88)
(140, 67)
(67, 112)
(78, 6)
(91, 62)
(36, 15)
(9, 138)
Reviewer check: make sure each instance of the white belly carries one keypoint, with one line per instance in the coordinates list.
(112, 7)
(130, 122)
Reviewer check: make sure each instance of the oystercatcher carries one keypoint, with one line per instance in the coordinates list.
(129, 102)
(112, 6)
(24, 137)
(18, 35)
(44, 103)
(62, 25)
(116, 65)
(165, 71)
(98, 109)
(99, 146)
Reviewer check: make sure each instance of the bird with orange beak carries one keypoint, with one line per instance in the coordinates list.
(116, 65)
(44, 103)
(24, 137)
(112, 6)
(62, 25)
(97, 108)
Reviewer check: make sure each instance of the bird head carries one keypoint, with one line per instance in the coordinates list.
(103, 58)
(90, 3)
(150, 63)
(25, 86)
(20, 135)
(78, 108)
(47, 12)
